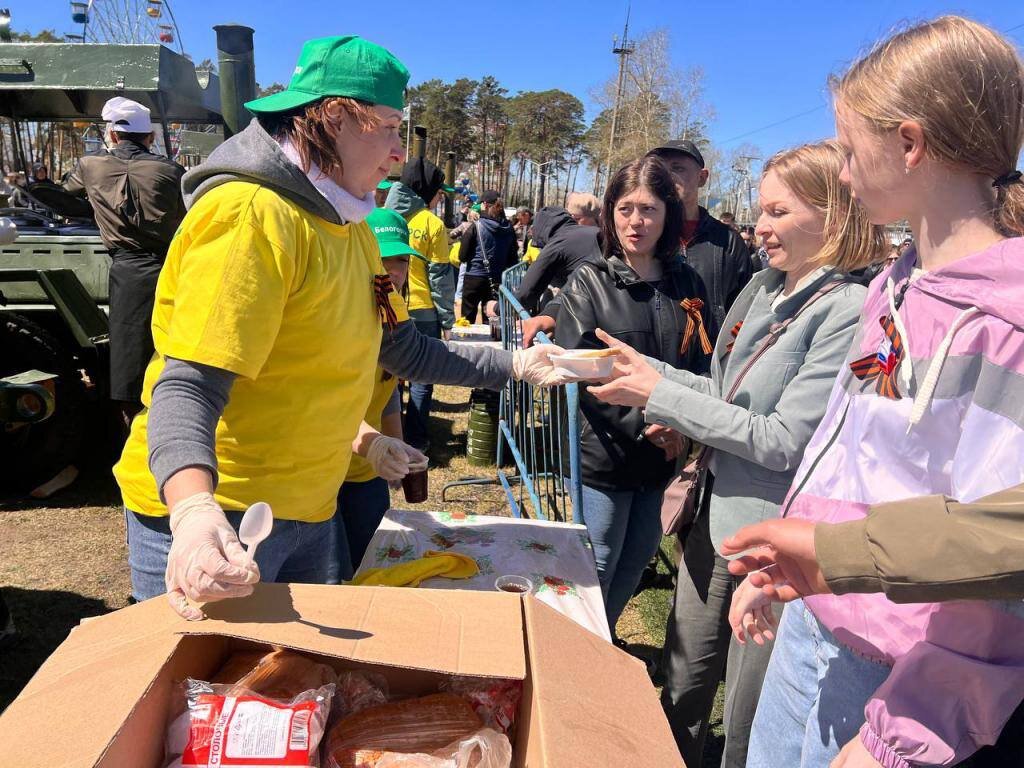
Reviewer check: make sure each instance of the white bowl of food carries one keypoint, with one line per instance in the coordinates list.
(585, 364)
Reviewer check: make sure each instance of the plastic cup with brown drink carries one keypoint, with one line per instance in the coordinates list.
(414, 484)
(514, 584)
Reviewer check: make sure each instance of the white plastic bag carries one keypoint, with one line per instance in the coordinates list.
(484, 749)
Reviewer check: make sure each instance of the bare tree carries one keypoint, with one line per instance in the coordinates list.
(660, 101)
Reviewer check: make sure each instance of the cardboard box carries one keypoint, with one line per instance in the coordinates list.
(103, 698)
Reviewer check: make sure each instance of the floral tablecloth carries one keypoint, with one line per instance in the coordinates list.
(475, 336)
(556, 557)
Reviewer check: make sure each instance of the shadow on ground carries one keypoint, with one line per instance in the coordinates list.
(42, 619)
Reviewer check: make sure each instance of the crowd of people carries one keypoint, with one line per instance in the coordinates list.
(845, 408)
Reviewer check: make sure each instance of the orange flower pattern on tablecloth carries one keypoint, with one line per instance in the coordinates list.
(547, 583)
(456, 517)
(393, 554)
(540, 547)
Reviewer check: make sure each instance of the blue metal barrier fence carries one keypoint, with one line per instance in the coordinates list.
(539, 428)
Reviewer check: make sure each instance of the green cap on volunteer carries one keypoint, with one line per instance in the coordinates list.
(392, 233)
(340, 66)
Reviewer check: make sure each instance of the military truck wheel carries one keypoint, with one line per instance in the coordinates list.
(31, 454)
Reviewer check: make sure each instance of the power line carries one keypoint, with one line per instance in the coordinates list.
(815, 109)
(777, 122)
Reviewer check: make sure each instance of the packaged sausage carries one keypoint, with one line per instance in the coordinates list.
(225, 725)
(495, 700)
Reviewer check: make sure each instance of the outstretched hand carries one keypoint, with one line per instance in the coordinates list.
(751, 615)
(783, 562)
(633, 379)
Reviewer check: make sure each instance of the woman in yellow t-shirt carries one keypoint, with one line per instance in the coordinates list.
(270, 313)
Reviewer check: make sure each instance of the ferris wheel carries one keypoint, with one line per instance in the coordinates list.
(126, 21)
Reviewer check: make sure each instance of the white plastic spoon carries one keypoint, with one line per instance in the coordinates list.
(256, 524)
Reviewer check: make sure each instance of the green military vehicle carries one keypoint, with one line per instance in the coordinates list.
(54, 366)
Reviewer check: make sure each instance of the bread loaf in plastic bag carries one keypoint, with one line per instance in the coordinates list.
(280, 674)
(421, 725)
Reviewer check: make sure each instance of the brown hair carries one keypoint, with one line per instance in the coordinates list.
(312, 130)
(138, 138)
(811, 172)
(964, 83)
(650, 172)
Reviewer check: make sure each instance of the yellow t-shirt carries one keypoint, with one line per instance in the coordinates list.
(428, 236)
(453, 254)
(532, 252)
(361, 470)
(256, 285)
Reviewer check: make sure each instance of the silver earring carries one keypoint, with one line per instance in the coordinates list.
(906, 170)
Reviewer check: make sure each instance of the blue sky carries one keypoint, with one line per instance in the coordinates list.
(765, 62)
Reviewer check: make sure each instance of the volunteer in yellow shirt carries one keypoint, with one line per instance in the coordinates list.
(364, 497)
(267, 324)
(431, 287)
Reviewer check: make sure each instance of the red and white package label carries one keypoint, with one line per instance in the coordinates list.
(249, 731)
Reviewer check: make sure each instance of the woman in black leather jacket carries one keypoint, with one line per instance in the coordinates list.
(643, 294)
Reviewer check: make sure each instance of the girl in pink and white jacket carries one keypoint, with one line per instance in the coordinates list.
(931, 401)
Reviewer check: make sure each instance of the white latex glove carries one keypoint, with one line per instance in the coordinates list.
(392, 459)
(206, 561)
(534, 366)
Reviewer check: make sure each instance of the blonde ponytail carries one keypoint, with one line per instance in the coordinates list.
(1010, 208)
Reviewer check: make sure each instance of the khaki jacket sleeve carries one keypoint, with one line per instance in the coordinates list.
(930, 549)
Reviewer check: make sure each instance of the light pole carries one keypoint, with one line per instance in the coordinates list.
(623, 51)
(742, 168)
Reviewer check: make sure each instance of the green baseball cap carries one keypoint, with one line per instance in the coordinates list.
(448, 188)
(392, 233)
(385, 184)
(340, 66)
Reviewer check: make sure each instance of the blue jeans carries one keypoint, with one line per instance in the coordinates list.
(361, 507)
(417, 412)
(813, 697)
(458, 281)
(294, 552)
(625, 531)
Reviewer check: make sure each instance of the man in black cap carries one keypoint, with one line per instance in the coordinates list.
(136, 197)
(488, 248)
(714, 249)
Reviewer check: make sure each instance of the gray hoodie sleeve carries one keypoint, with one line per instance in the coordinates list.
(188, 400)
(409, 354)
(394, 404)
(442, 292)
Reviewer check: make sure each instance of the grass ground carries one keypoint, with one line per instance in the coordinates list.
(65, 559)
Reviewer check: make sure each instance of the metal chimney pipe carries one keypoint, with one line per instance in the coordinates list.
(449, 199)
(419, 142)
(237, 71)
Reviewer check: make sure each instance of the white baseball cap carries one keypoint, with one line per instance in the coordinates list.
(126, 116)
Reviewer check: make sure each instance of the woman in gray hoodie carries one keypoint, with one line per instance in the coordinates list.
(814, 235)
